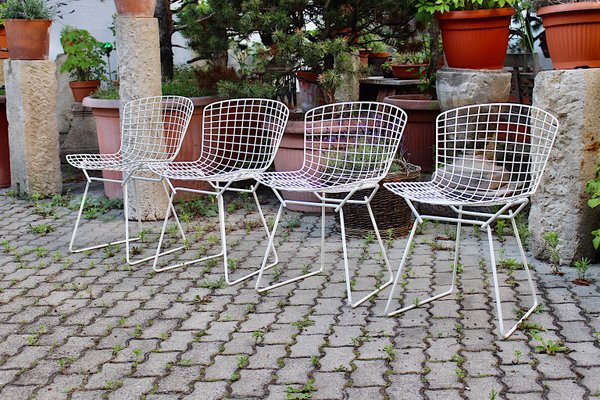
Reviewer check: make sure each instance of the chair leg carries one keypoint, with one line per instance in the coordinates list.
(272, 245)
(403, 262)
(506, 334)
(272, 248)
(170, 209)
(346, 266)
(78, 221)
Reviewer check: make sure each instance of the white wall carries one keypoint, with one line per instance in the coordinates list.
(96, 17)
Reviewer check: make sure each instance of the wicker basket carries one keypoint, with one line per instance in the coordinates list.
(390, 210)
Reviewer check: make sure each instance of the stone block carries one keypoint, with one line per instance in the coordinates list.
(458, 87)
(64, 113)
(31, 90)
(81, 137)
(139, 74)
(560, 203)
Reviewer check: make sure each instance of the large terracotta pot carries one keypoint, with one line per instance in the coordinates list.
(475, 39)
(573, 34)
(136, 8)
(289, 157)
(4, 151)
(108, 129)
(28, 39)
(419, 134)
(82, 89)
(3, 43)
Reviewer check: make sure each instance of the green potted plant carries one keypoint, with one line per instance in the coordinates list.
(27, 24)
(84, 61)
(572, 32)
(474, 32)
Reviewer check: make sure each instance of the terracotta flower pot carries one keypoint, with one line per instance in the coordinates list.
(573, 34)
(475, 39)
(4, 151)
(3, 43)
(136, 8)
(407, 71)
(83, 89)
(419, 134)
(28, 39)
(108, 129)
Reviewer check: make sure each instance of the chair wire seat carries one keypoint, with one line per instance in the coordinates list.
(204, 170)
(239, 140)
(94, 162)
(305, 180)
(152, 130)
(439, 193)
(488, 154)
(347, 147)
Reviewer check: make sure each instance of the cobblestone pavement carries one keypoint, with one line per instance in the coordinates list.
(87, 326)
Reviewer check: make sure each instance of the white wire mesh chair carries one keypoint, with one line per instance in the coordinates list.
(347, 147)
(239, 139)
(487, 155)
(152, 129)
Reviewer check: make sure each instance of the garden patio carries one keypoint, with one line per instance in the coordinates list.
(87, 326)
(364, 115)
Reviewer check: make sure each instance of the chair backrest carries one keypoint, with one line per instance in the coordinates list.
(153, 128)
(242, 134)
(352, 141)
(493, 151)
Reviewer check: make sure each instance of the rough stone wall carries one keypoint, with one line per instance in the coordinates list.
(139, 74)
(464, 87)
(31, 91)
(64, 114)
(560, 203)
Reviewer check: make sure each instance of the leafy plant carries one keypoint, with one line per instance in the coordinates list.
(549, 346)
(593, 188)
(552, 240)
(27, 9)
(304, 392)
(109, 91)
(582, 266)
(442, 6)
(84, 54)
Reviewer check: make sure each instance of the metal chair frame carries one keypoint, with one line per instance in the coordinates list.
(148, 134)
(460, 180)
(347, 147)
(240, 139)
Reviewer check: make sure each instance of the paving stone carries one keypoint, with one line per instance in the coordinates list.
(520, 378)
(405, 387)
(368, 373)
(330, 385)
(251, 383)
(178, 379)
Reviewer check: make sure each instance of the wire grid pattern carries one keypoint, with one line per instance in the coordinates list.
(152, 129)
(239, 139)
(486, 154)
(346, 146)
